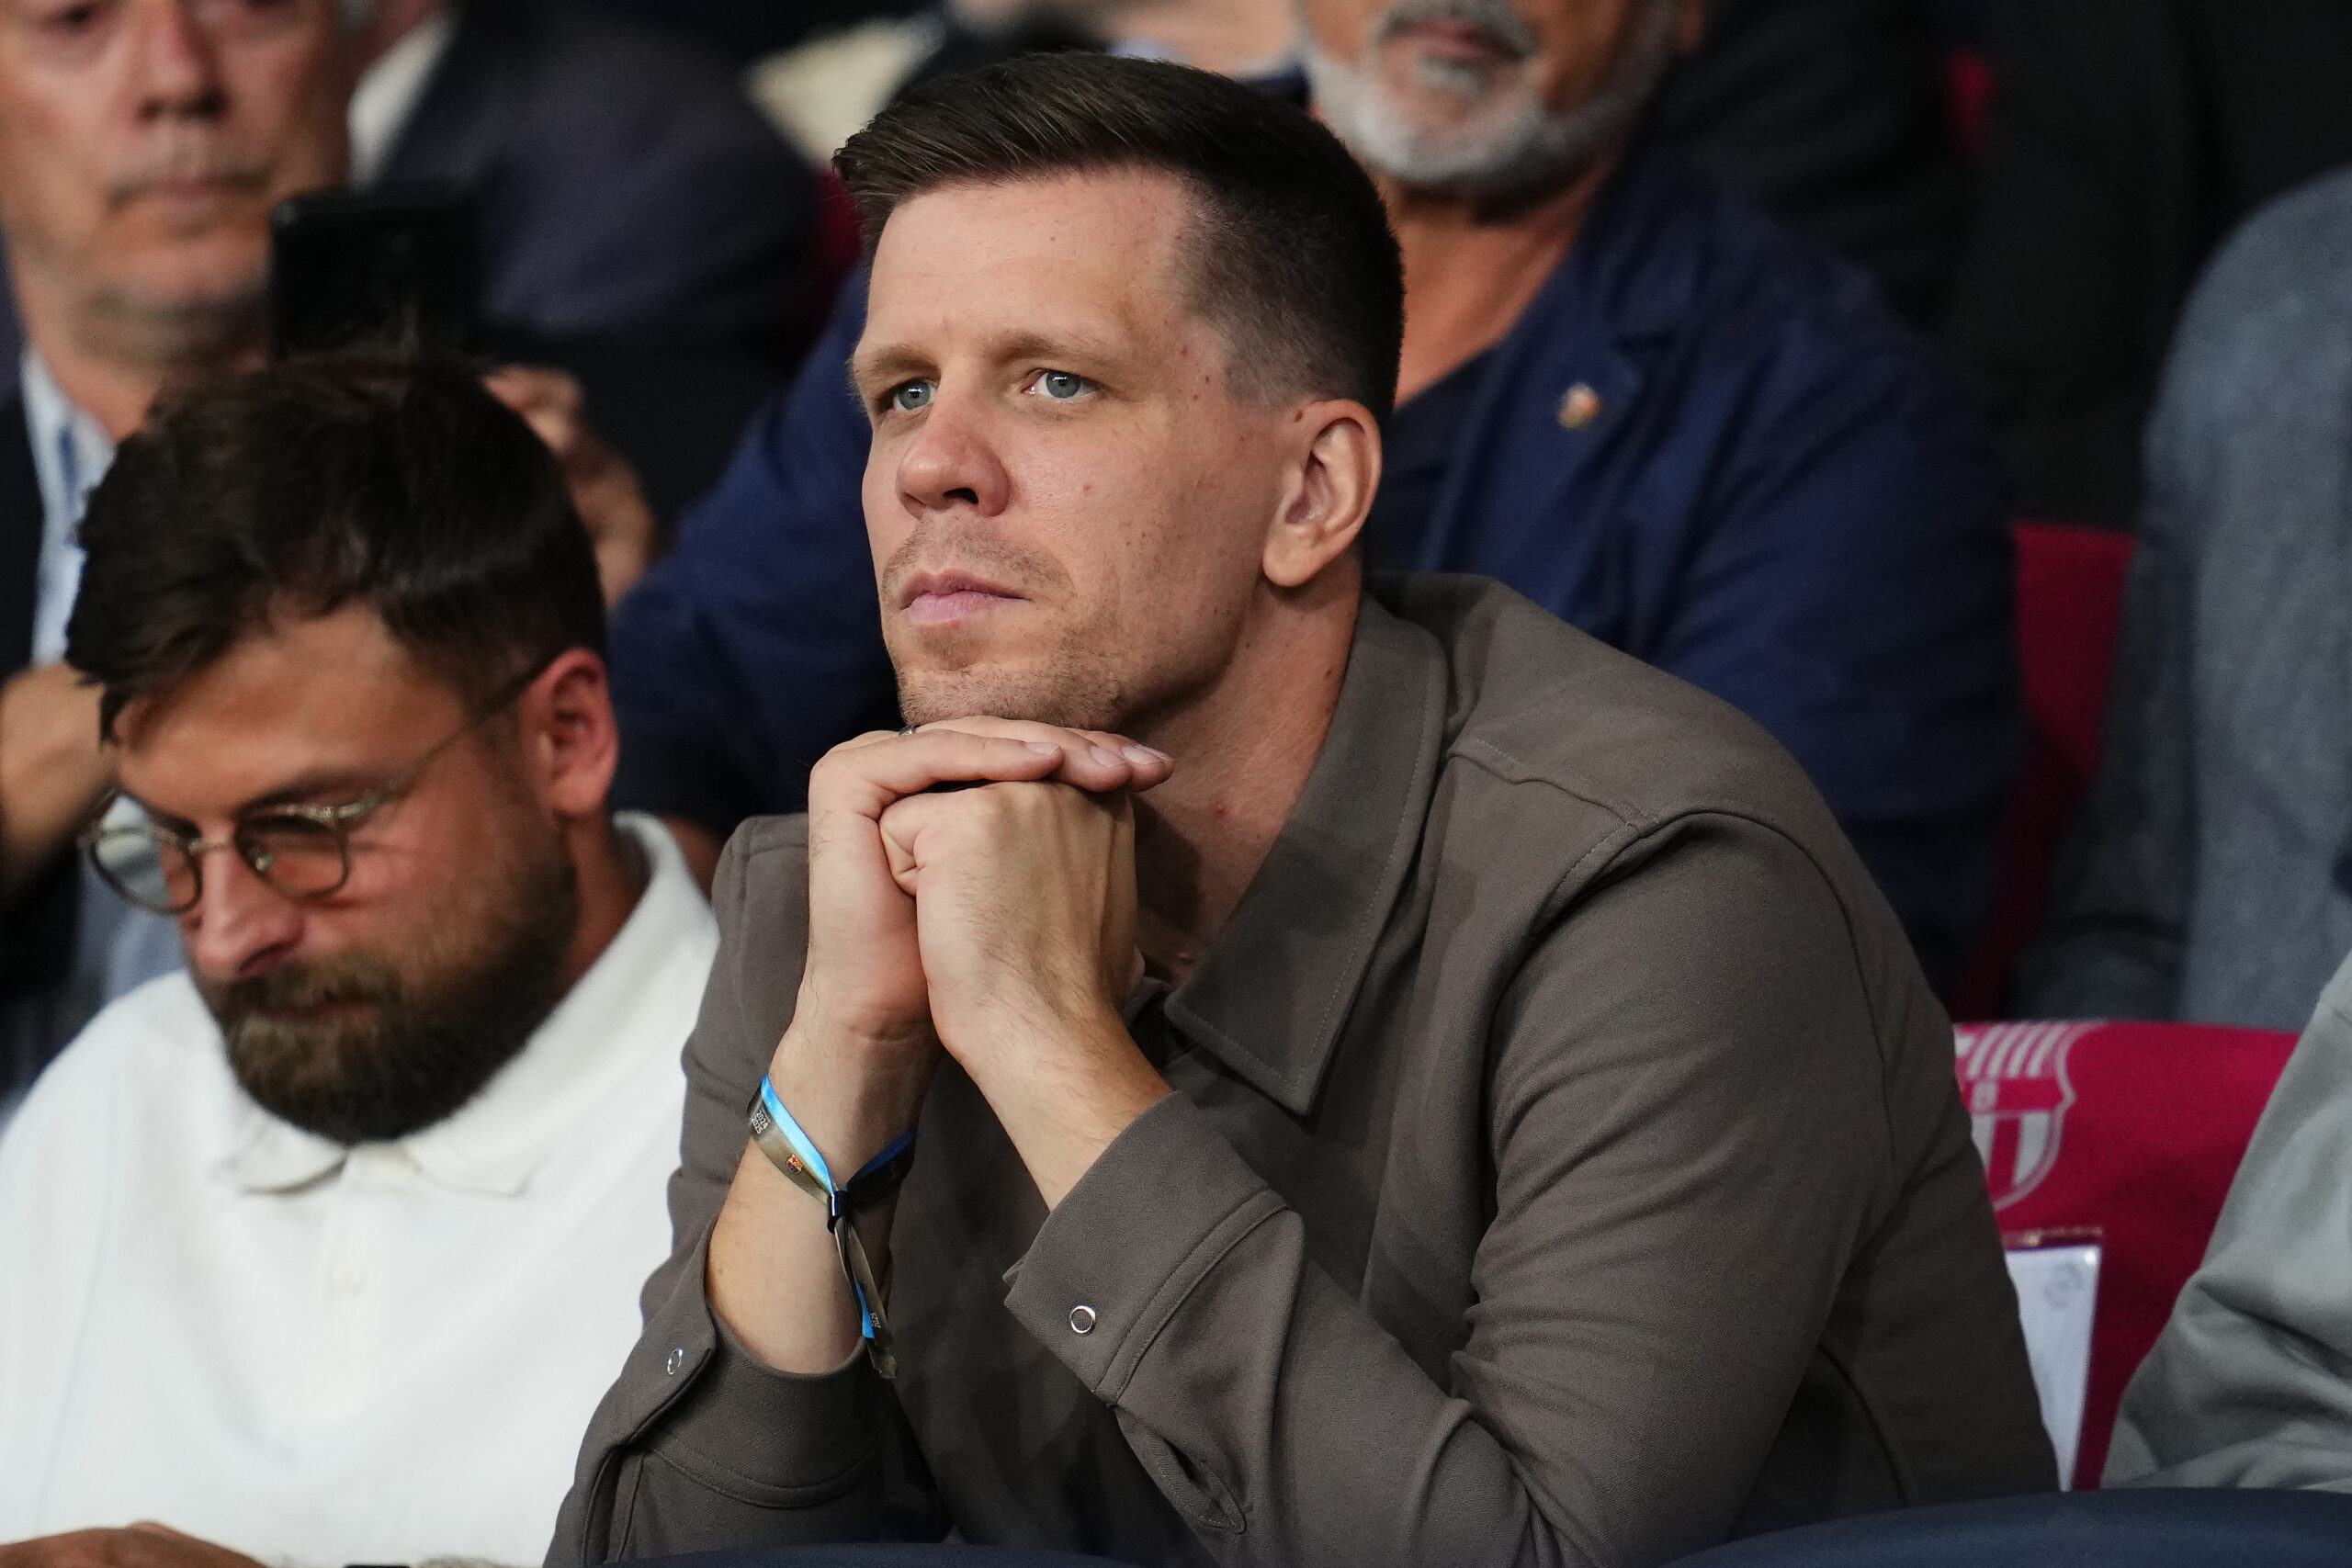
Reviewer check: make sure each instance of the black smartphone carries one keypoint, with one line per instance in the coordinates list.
(396, 267)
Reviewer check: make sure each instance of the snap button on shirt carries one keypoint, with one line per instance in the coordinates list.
(1082, 1320)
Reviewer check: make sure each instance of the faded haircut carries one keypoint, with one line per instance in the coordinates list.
(1288, 253)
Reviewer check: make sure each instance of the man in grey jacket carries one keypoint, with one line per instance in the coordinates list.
(2210, 877)
(2246, 1386)
(1443, 1092)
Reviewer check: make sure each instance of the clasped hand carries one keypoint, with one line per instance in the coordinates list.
(996, 921)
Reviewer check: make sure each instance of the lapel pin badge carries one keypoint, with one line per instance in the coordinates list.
(1579, 406)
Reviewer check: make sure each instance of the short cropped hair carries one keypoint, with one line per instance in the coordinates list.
(1290, 255)
(392, 481)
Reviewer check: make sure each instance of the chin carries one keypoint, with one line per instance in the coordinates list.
(1077, 696)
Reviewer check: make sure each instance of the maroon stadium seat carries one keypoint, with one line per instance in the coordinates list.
(2070, 606)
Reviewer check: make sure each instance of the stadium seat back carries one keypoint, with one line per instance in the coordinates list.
(2130, 1131)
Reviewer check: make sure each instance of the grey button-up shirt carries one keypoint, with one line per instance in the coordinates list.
(1565, 1166)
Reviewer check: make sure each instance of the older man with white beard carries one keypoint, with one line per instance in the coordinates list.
(1624, 394)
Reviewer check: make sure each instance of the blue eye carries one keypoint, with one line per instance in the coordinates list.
(1061, 385)
(912, 396)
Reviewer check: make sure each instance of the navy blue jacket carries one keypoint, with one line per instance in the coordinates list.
(1781, 499)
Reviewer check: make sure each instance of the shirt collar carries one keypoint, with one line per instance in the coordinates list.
(1271, 992)
(71, 454)
(71, 449)
(596, 1035)
(389, 91)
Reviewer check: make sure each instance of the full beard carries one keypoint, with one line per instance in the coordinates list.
(1500, 143)
(358, 1049)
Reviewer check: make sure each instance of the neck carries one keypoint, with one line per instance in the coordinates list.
(1243, 750)
(1471, 270)
(612, 871)
(111, 368)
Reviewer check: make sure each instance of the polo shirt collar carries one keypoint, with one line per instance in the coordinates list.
(1269, 994)
(494, 1142)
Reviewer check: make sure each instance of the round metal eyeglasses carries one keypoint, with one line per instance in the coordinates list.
(303, 852)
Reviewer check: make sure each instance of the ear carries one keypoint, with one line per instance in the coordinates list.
(1328, 492)
(571, 743)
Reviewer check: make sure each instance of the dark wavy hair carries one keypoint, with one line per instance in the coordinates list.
(392, 481)
(1290, 256)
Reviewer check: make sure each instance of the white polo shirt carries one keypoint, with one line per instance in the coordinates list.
(319, 1355)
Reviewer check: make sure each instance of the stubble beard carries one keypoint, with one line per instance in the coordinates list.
(1066, 688)
(952, 673)
(404, 1046)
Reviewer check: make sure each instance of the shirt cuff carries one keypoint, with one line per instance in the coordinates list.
(787, 1435)
(1144, 1226)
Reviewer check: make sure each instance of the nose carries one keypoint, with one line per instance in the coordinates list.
(240, 927)
(176, 61)
(950, 461)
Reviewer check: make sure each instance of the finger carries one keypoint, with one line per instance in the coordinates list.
(865, 779)
(1084, 751)
(518, 388)
(535, 384)
(944, 754)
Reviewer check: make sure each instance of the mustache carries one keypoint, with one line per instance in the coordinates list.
(1494, 18)
(358, 978)
(197, 156)
(977, 553)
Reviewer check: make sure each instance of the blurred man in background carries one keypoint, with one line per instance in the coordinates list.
(324, 1249)
(2209, 874)
(1627, 396)
(142, 144)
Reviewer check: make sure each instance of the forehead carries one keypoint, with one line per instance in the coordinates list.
(299, 693)
(1092, 256)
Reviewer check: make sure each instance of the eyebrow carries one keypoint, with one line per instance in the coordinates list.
(889, 362)
(295, 792)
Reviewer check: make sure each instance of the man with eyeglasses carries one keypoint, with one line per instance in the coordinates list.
(142, 146)
(324, 1249)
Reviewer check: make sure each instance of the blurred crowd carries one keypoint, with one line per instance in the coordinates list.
(1736, 334)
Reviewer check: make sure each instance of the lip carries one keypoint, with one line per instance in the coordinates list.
(1462, 43)
(944, 598)
(188, 187)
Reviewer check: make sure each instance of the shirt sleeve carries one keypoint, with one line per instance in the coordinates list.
(756, 645)
(698, 1446)
(1687, 1149)
(2246, 1386)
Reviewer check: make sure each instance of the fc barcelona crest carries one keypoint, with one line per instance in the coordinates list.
(2013, 1076)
